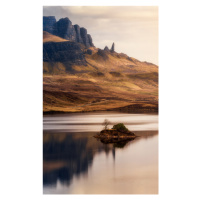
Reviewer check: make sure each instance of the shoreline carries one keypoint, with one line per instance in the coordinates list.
(120, 111)
(133, 108)
(108, 110)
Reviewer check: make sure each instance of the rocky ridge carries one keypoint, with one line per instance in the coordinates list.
(64, 29)
(69, 44)
(63, 52)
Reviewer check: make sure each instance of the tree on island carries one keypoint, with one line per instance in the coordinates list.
(119, 133)
(120, 127)
(105, 124)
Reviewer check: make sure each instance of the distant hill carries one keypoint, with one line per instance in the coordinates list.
(81, 77)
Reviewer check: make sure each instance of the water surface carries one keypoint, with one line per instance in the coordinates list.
(74, 162)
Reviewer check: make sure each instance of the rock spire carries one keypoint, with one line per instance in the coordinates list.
(113, 47)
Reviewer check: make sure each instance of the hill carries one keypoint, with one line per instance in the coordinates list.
(79, 77)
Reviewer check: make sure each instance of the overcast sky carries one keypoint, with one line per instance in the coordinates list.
(133, 29)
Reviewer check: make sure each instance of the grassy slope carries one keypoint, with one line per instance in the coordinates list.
(115, 83)
(77, 93)
(47, 37)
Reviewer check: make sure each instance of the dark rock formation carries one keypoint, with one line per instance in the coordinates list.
(84, 37)
(69, 52)
(65, 29)
(89, 51)
(103, 54)
(90, 40)
(113, 47)
(78, 34)
(49, 24)
(106, 48)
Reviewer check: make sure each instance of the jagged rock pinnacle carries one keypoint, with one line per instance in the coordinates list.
(113, 47)
(106, 48)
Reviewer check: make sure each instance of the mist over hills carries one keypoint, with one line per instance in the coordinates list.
(81, 77)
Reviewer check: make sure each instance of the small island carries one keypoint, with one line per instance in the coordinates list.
(119, 133)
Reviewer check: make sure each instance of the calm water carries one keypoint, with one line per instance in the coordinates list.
(74, 162)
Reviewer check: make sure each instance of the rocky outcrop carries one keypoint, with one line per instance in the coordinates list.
(113, 47)
(84, 37)
(66, 52)
(64, 29)
(103, 54)
(89, 51)
(106, 48)
(90, 40)
(78, 34)
(49, 24)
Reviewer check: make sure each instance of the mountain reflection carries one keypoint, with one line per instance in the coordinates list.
(66, 155)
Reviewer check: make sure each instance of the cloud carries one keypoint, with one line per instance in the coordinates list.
(134, 29)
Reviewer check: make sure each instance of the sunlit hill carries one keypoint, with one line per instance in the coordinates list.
(80, 77)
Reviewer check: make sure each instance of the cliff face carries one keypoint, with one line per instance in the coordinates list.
(90, 40)
(78, 34)
(84, 36)
(65, 43)
(64, 29)
(68, 52)
(49, 24)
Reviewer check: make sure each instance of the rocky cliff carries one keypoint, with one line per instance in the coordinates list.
(64, 29)
(90, 40)
(78, 34)
(49, 24)
(65, 52)
(84, 36)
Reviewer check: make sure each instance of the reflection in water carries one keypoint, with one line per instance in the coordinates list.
(120, 144)
(69, 158)
(72, 154)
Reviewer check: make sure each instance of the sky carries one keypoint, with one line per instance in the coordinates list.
(133, 29)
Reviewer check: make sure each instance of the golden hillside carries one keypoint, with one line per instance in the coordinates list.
(47, 37)
(99, 80)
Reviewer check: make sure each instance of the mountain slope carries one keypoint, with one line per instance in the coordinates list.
(80, 77)
(47, 37)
